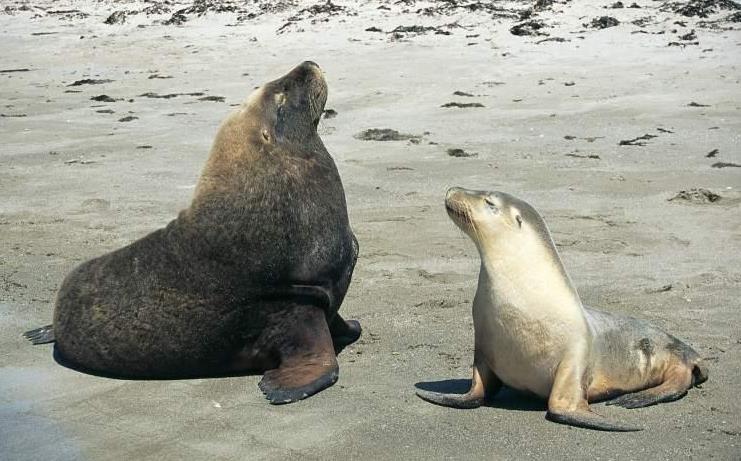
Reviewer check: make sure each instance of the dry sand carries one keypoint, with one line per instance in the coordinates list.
(77, 180)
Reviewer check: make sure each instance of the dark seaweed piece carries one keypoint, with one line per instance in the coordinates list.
(117, 17)
(528, 28)
(90, 81)
(384, 134)
(700, 8)
(698, 195)
(637, 141)
(103, 98)
(603, 22)
(460, 153)
(462, 104)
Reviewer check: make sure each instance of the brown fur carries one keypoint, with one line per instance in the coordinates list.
(265, 243)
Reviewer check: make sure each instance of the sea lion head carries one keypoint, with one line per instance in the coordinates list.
(276, 123)
(269, 186)
(288, 109)
(499, 222)
(490, 214)
(513, 241)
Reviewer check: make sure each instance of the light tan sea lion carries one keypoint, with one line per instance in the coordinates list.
(533, 334)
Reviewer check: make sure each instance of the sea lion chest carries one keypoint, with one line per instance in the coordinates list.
(283, 214)
(521, 342)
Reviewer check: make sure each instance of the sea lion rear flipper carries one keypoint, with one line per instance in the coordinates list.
(307, 359)
(678, 381)
(43, 335)
(589, 420)
(483, 383)
(567, 403)
(344, 332)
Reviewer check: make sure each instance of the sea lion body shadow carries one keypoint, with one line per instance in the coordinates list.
(249, 278)
(533, 334)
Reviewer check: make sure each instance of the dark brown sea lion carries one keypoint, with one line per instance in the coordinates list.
(532, 332)
(249, 278)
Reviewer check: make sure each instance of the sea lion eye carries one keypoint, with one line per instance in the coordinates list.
(518, 218)
(491, 205)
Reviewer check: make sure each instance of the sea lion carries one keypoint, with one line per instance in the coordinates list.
(533, 334)
(249, 278)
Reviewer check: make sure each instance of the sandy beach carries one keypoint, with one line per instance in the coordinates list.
(620, 123)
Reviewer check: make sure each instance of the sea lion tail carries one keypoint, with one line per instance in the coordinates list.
(43, 335)
(699, 373)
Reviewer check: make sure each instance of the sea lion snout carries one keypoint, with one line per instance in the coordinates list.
(466, 209)
(465, 203)
(306, 72)
(455, 204)
(295, 102)
(458, 195)
(311, 65)
(452, 191)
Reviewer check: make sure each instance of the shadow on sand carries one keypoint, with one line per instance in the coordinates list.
(206, 374)
(506, 398)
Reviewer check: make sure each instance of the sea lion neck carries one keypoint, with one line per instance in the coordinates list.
(523, 276)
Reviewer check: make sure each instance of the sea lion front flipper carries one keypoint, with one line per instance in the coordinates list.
(43, 335)
(483, 383)
(307, 359)
(567, 403)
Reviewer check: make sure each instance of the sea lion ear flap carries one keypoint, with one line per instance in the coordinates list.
(266, 135)
(518, 218)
